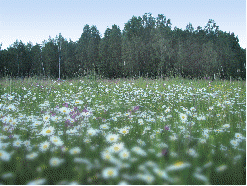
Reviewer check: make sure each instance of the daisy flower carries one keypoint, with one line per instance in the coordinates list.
(183, 117)
(148, 178)
(117, 147)
(142, 143)
(123, 183)
(46, 118)
(234, 142)
(110, 172)
(91, 132)
(64, 110)
(55, 162)
(139, 151)
(161, 173)
(210, 108)
(17, 143)
(178, 166)
(56, 140)
(202, 178)
(104, 126)
(5, 156)
(87, 140)
(238, 136)
(48, 131)
(221, 168)
(140, 121)
(123, 131)
(37, 182)
(78, 102)
(44, 146)
(106, 155)
(226, 126)
(192, 153)
(32, 156)
(75, 150)
(124, 154)
(112, 138)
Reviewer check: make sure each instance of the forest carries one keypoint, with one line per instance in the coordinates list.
(146, 47)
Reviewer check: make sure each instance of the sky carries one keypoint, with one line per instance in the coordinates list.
(36, 20)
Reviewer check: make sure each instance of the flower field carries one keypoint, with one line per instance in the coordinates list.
(122, 131)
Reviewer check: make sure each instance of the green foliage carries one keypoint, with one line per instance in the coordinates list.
(146, 47)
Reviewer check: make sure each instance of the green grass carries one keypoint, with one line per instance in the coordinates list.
(202, 141)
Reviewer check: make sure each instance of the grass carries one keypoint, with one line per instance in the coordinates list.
(122, 131)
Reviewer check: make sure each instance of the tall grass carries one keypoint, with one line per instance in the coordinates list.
(123, 131)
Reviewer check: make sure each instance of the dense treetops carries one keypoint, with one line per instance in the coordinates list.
(146, 47)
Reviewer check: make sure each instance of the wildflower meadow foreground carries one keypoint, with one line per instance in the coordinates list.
(122, 131)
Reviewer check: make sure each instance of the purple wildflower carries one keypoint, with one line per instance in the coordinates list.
(166, 127)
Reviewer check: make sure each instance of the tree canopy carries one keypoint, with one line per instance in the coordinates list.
(147, 46)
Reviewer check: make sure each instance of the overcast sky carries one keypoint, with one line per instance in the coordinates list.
(36, 20)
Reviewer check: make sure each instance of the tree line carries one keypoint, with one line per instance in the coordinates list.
(147, 47)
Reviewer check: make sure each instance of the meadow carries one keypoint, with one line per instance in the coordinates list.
(122, 131)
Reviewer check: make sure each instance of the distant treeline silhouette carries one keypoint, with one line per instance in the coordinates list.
(147, 47)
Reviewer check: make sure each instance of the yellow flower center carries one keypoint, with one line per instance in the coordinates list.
(111, 139)
(1, 154)
(110, 173)
(116, 148)
(45, 146)
(178, 164)
(48, 131)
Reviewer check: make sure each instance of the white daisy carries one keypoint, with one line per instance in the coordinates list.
(193, 153)
(123, 131)
(221, 168)
(91, 132)
(148, 178)
(64, 110)
(106, 155)
(239, 136)
(56, 140)
(46, 118)
(178, 166)
(140, 121)
(32, 156)
(104, 126)
(5, 156)
(37, 182)
(234, 142)
(183, 117)
(48, 131)
(139, 151)
(112, 138)
(44, 146)
(202, 178)
(123, 183)
(226, 126)
(110, 172)
(17, 143)
(124, 154)
(55, 162)
(75, 150)
(117, 147)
